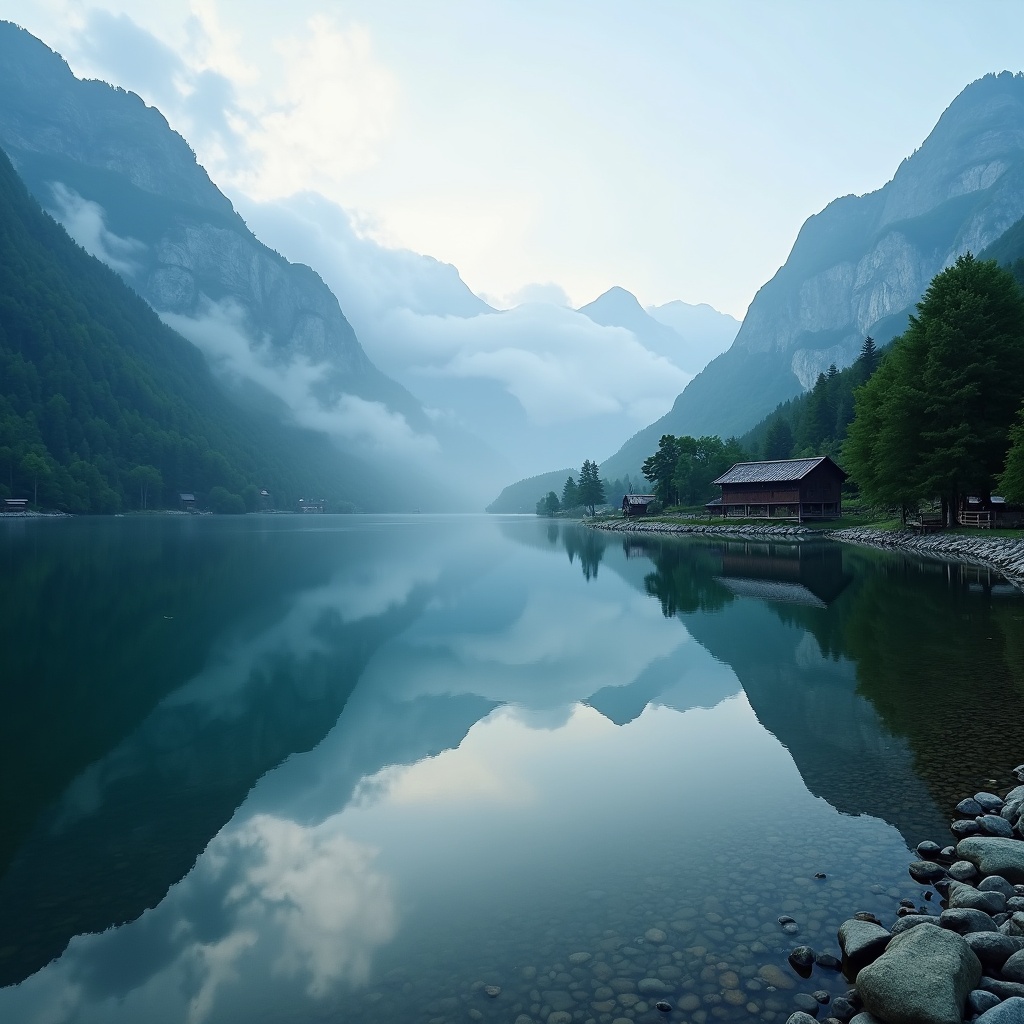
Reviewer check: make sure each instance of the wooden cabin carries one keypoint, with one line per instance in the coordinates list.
(793, 489)
(990, 512)
(188, 501)
(15, 504)
(636, 504)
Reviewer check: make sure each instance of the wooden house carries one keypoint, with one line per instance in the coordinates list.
(989, 512)
(188, 501)
(636, 504)
(15, 504)
(795, 489)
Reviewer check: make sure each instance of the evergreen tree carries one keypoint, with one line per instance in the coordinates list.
(660, 469)
(778, 441)
(570, 495)
(867, 361)
(1011, 482)
(590, 489)
(934, 419)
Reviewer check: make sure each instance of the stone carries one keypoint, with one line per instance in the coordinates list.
(962, 871)
(989, 801)
(578, 958)
(929, 850)
(560, 1017)
(861, 943)
(523, 1019)
(1015, 926)
(653, 987)
(800, 1017)
(994, 825)
(962, 921)
(655, 935)
(842, 1009)
(993, 949)
(969, 898)
(964, 827)
(1003, 989)
(993, 855)
(996, 883)
(923, 977)
(822, 996)
(866, 1018)
(807, 1003)
(492, 990)
(927, 871)
(1013, 969)
(801, 959)
(969, 808)
(1009, 1012)
(1015, 904)
(663, 1007)
(828, 962)
(978, 1001)
(906, 923)
(774, 976)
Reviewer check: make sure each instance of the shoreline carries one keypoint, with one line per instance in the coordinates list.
(1003, 554)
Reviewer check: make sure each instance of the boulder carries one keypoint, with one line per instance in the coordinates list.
(906, 923)
(861, 943)
(1010, 1012)
(968, 898)
(979, 1001)
(993, 949)
(1013, 969)
(962, 871)
(1003, 989)
(923, 977)
(962, 921)
(996, 883)
(1014, 926)
(800, 1018)
(927, 871)
(993, 855)
(995, 825)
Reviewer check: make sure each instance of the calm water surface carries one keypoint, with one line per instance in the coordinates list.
(285, 769)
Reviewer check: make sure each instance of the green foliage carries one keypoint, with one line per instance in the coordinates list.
(778, 441)
(683, 467)
(102, 406)
(660, 469)
(590, 489)
(570, 495)
(224, 502)
(935, 419)
(1011, 482)
(548, 505)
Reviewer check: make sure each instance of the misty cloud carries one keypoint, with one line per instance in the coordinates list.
(417, 319)
(221, 334)
(85, 222)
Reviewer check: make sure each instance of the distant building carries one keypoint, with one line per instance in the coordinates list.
(266, 502)
(188, 501)
(987, 513)
(797, 489)
(15, 504)
(636, 504)
(311, 505)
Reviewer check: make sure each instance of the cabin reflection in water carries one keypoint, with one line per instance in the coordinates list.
(806, 573)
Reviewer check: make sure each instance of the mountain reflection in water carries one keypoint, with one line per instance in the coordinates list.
(225, 732)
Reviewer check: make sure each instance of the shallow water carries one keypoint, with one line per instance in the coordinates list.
(360, 768)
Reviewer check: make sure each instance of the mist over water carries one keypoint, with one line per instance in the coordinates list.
(359, 768)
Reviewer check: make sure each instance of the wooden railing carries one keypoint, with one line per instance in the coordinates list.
(981, 520)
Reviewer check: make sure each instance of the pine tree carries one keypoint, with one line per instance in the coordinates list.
(590, 489)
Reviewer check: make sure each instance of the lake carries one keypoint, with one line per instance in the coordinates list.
(438, 769)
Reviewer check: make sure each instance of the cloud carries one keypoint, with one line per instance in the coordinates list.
(221, 334)
(548, 292)
(417, 319)
(85, 222)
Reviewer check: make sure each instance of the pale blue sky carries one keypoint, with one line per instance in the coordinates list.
(673, 148)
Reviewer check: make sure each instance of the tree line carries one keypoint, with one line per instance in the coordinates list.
(586, 493)
(103, 407)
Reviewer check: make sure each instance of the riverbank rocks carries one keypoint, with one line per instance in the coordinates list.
(1010, 1012)
(861, 943)
(963, 920)
(993, 855)
(922, 977)
(926, 872)
(993, 949)
(967, 897)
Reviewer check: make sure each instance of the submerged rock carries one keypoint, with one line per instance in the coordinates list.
(923, 977)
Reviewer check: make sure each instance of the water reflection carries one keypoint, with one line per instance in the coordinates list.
(393, 753)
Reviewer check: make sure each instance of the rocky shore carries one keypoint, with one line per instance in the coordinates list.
(965, 963)
(1003, 554)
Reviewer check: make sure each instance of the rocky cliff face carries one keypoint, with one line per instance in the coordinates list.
(861, 265)
(178, 240)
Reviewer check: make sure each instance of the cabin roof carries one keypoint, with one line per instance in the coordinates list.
(638, 499)
(782, 471)
(186, 496)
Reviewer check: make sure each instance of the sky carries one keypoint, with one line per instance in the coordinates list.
(550, 149)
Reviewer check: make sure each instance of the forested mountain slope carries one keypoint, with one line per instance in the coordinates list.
(103, 407)
(859, 266)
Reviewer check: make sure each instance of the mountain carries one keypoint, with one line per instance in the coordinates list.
(706, 331)
(859, 266)
(688, 336)
(102, 402)
(130, 191)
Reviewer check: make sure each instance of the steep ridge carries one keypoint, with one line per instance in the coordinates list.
(859, 266)
(129, 189)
